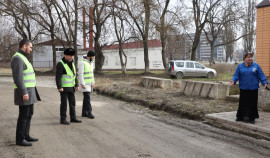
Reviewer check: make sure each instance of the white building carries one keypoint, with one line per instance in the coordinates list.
(135, 56)
(43, 54)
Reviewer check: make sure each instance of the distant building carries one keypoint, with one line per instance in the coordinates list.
(135, 55)
(179, 47)
(43, 53)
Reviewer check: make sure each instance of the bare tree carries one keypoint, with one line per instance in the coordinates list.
(47, 20)
(119, 20)
(100, 15)
(140, 15)
(162, 26)
(249, 26)
(218, 18)
(67, 12)
(201, 10)
(23, 24)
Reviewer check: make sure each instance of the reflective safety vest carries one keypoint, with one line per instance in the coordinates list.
(68, 80)
(29, 77)
(88, 72)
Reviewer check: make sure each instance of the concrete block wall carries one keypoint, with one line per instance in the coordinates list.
(154, 82)
(263, 99)
(205, 89)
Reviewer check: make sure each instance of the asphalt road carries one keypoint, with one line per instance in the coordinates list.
(120, 130)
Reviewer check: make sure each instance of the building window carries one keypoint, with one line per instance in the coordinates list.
(59, 49)
(132, 61)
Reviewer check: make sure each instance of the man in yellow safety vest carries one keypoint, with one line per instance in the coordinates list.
(25, 92)
(67, 84)
(87, 82)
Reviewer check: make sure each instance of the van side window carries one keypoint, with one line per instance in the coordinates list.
(189, 65)
(199, 66)
(179, 64)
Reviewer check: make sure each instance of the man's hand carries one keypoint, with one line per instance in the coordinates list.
(231, 82)
(93, 86)
(76, 88)
(61, 90)
(25, 97)
(83, 86)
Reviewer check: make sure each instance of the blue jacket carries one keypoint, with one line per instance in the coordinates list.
(249, 77)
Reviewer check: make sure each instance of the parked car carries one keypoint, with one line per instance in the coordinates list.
(187, 68)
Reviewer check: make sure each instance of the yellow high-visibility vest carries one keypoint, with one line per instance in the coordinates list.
(88, 72)
(68, 80)
(29, 77)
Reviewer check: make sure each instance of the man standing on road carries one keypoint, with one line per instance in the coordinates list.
(87, 82)
(25, 92)
(67, 84)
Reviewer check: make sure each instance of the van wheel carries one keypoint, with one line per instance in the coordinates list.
(179, 75)
(210, 75)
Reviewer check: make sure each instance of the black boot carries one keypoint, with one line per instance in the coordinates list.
(23, 143)
(75, 120)
(91, 116)
(64, 122)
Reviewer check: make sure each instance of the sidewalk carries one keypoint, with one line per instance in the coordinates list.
(260, 129)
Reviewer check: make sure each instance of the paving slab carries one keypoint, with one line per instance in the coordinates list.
(261, 128)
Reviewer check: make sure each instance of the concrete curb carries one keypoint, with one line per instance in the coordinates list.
(226, 120)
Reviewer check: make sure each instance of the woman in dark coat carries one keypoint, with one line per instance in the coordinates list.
(249, 75)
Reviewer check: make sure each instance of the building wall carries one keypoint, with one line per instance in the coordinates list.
(135, 59)
(263, 39)
(43, 56)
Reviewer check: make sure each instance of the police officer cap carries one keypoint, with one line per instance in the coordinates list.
(90, 53)
(69, 51)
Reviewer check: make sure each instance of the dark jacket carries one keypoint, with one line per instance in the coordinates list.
(60, 70)
(18, 66)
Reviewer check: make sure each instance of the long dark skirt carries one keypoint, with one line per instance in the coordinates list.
(248, 107)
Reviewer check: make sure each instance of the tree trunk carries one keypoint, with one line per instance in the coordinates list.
(146, 57)
(54, 53)
(99, 57)
(212, 54)
(195, 44)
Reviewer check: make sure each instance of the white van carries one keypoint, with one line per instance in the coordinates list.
(187, 68)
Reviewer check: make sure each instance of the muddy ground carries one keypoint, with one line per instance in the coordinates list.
(130, 89)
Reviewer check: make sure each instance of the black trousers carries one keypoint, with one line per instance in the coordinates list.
(248, 104)
(24, 121)
(67, 96)
(87, 108)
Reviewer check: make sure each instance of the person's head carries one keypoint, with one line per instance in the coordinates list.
(91, 55)
(248, 58)
(26, 45)
(69, 54)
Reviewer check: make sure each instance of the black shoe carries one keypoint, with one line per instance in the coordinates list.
(64, 122)
(238, 119)
(23, 143)
(84, 115)
(75, 120)
(91, 116)
(31, 139)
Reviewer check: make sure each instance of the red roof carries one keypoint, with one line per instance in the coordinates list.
(131, 45)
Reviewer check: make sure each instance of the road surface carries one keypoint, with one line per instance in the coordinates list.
(120, 130)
